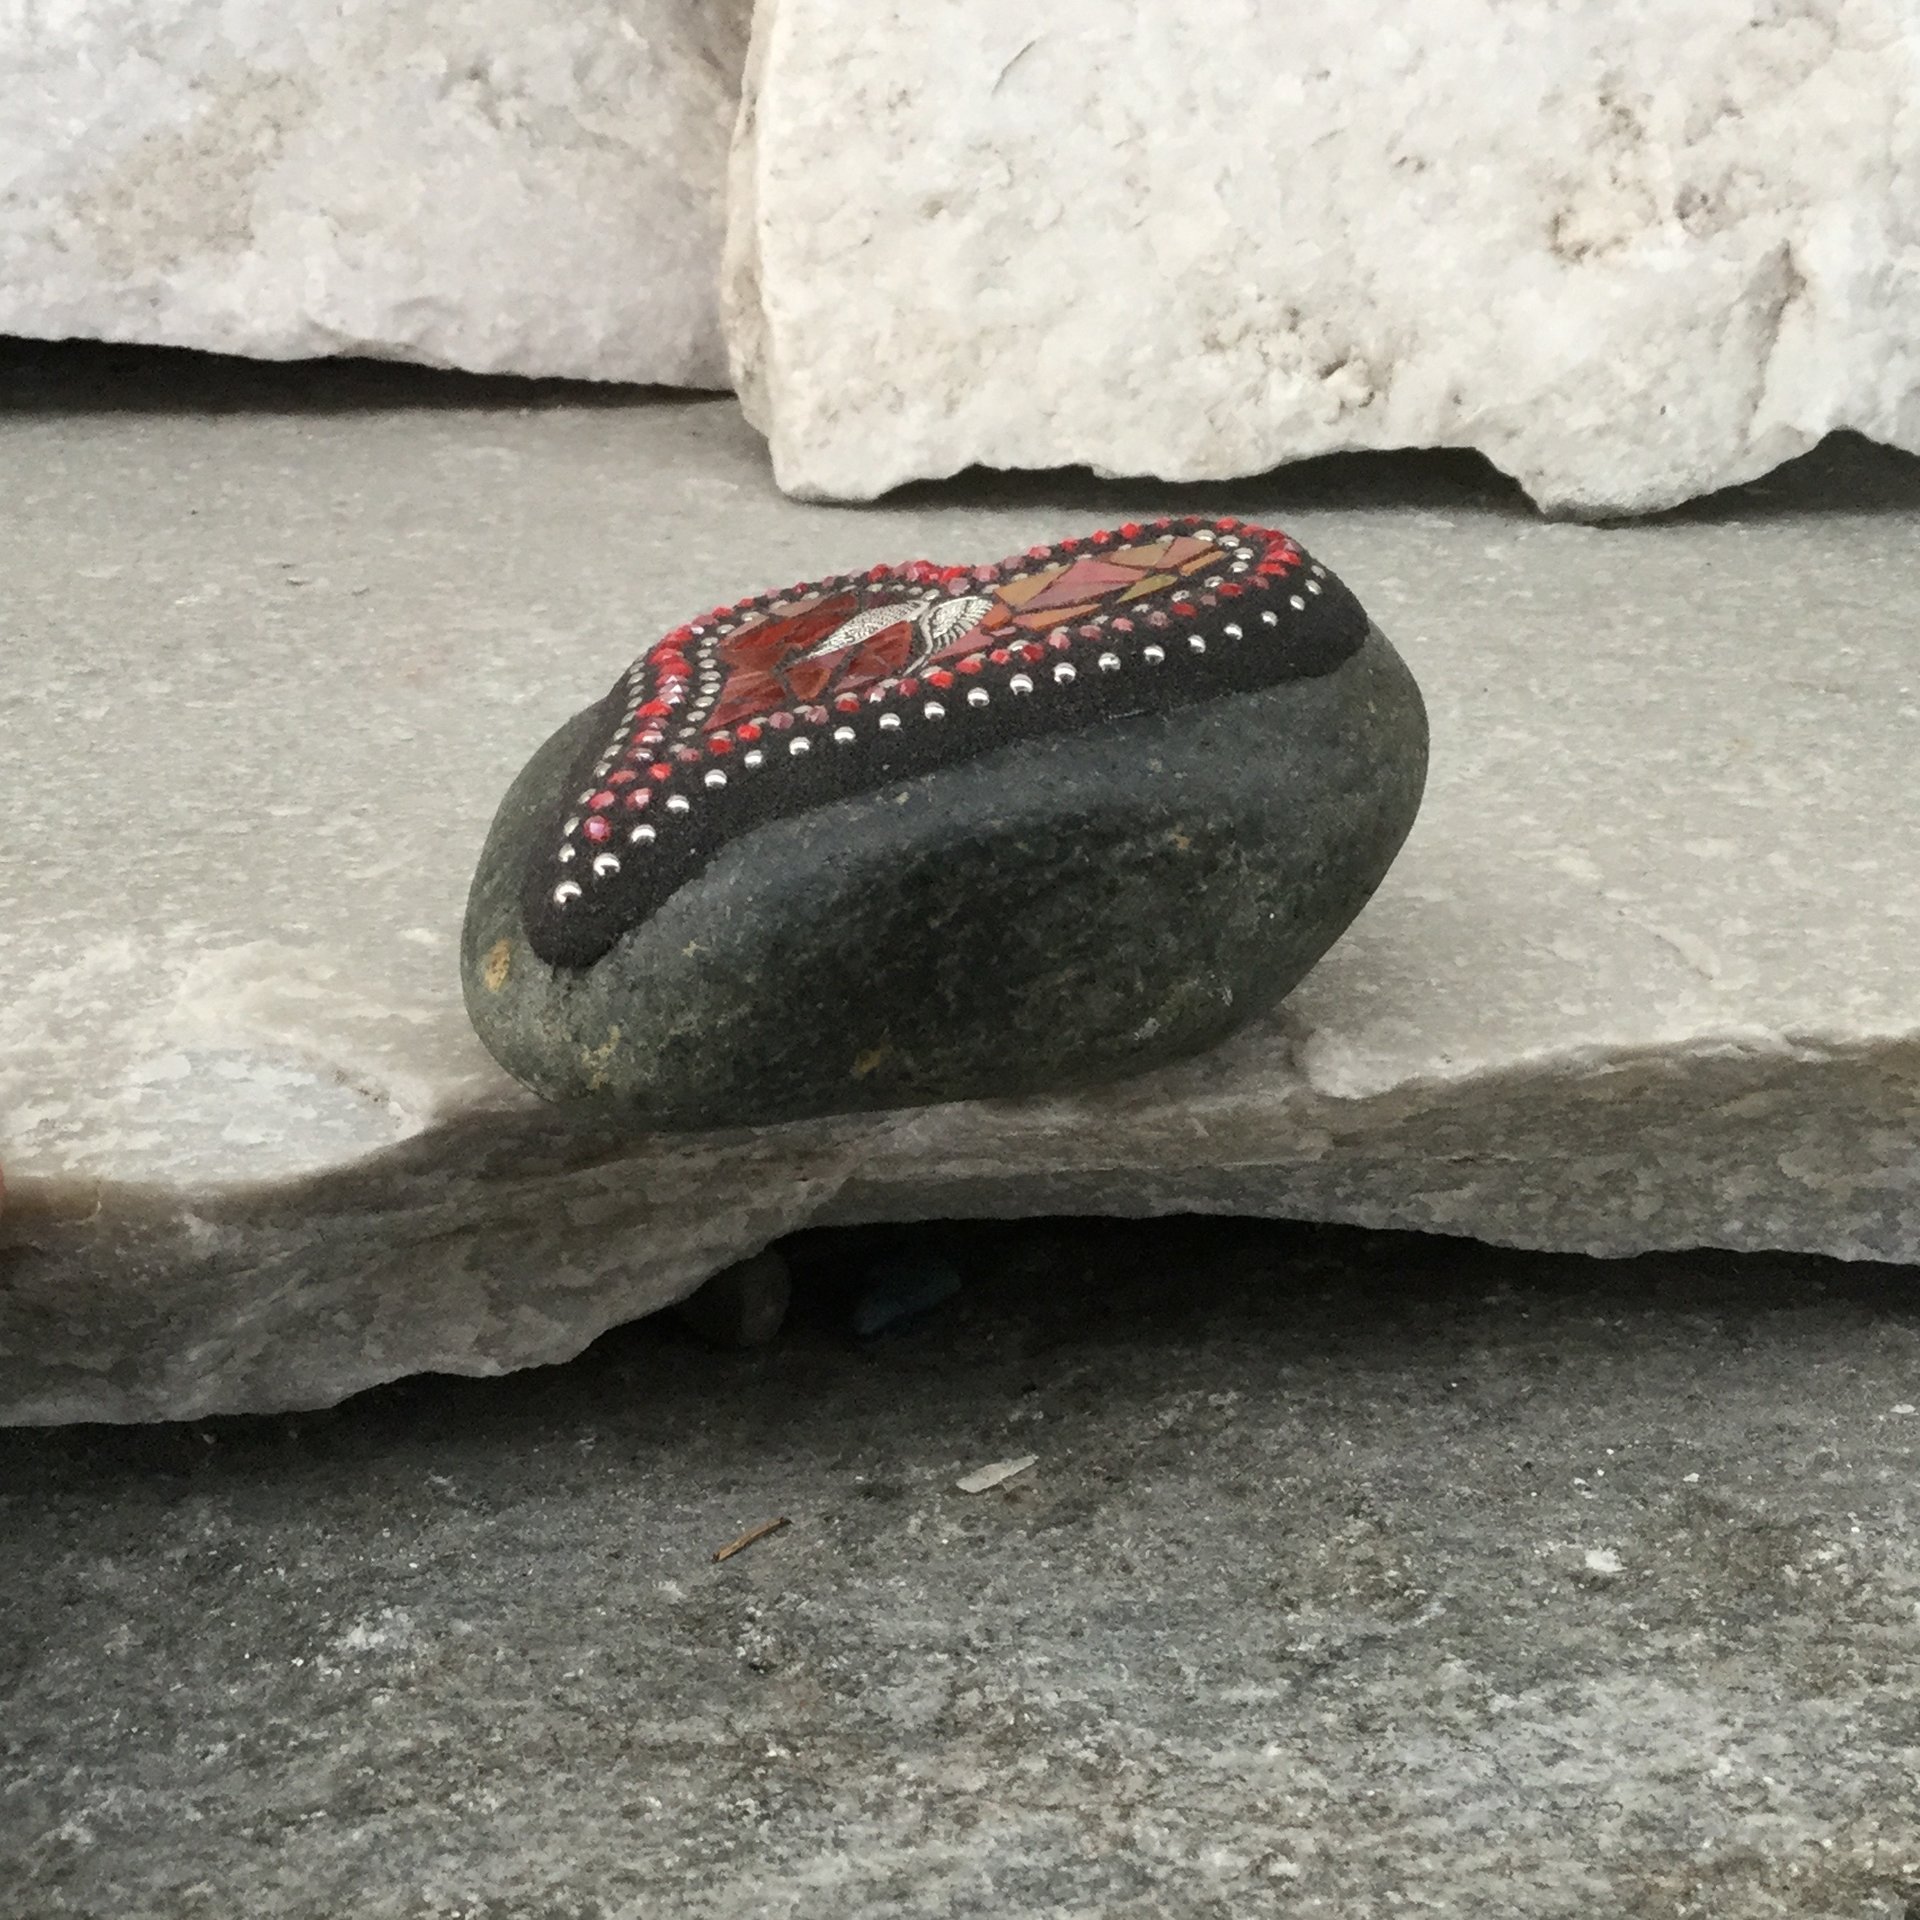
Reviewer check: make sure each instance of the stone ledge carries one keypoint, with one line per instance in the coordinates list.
(1644, 976)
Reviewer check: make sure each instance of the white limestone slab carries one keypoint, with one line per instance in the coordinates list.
(504, 186)
(1645, 976)
(1631, 250)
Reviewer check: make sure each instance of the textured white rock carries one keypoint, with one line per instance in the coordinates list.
(505, 185)
(1647, 974)
(1631, 250)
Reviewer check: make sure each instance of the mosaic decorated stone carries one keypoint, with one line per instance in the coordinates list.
(934, 832)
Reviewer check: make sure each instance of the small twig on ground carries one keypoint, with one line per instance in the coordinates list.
(748, 1538)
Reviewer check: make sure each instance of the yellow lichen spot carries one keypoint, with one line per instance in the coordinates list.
(498, 963)
(595, 1059)
(870, 1061)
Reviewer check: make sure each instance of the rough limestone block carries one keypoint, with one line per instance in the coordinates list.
(1630, 250)
(1647, 973)
(505, 186)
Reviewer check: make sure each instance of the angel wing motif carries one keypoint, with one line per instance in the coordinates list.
(935, 623)
(946, 620)
(859, 628)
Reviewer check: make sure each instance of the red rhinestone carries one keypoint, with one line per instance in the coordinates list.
(1030, 651)
(655, 710)
(660, 771)
(1231, 590)
(909, 687)
(1227, 522)
(601, 801)
(597, 829)
(848, 702)
(973, 663)
(639, 797)
(747, 730)
(1130, 530)
(939, 677)
(877, 573)
(1104, 538)
(624, 778)
(719, 743)
(999, 656)
(1184, 608)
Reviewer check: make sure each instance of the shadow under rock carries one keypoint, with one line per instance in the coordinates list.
(1845, 473)
(39, 377)
(1109, 1314)
(1436, 480)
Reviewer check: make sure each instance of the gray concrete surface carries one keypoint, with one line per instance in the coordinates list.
(1358, 1575)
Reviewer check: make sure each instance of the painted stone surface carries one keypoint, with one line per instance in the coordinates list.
(935, 832)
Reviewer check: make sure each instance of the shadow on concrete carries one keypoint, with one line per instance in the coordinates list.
(1845, 473)
(43, 377)
(1437, 480)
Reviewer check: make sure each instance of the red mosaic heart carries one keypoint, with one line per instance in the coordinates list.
(793, 699)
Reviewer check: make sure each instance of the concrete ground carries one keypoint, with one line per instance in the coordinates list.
(1358, 1574)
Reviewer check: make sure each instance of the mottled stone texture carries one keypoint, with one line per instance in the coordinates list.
(503, 186)
(1630, 250)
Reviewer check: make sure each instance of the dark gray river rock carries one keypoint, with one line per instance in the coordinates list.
(933, 834)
